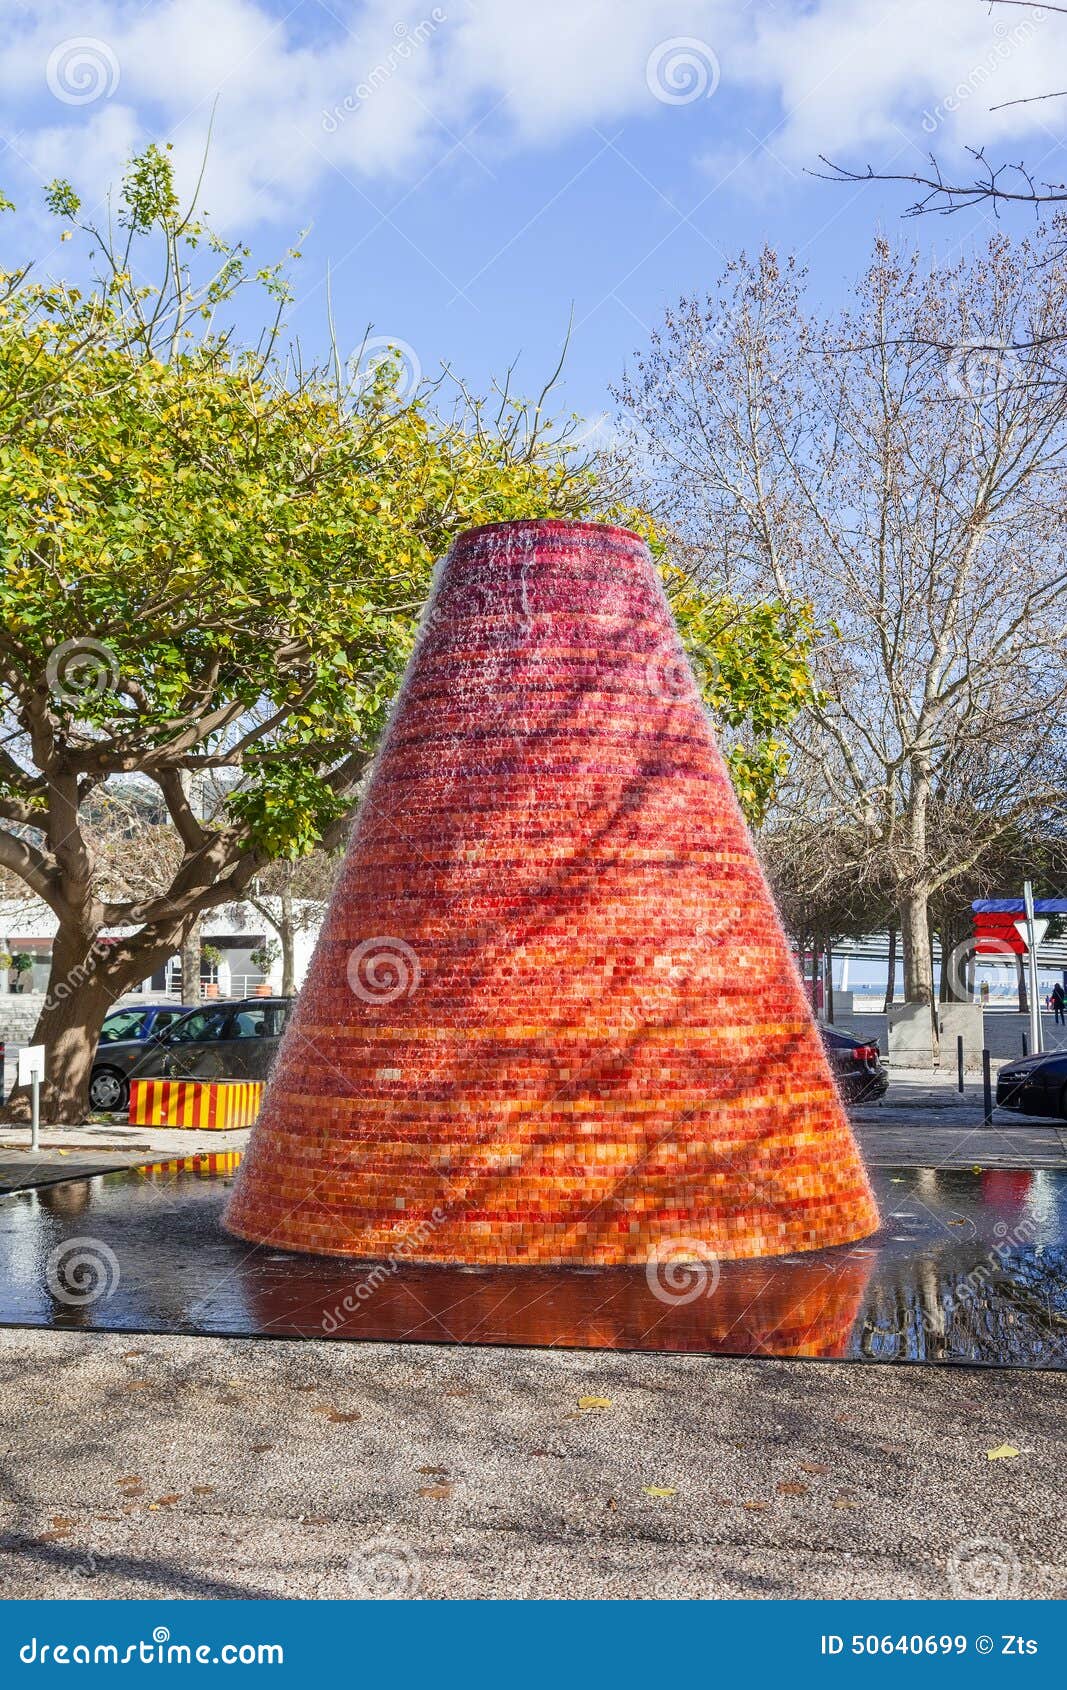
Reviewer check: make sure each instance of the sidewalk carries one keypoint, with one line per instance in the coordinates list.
(925, 1121)
(99, 1148)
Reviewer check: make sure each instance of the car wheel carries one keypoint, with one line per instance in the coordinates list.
(108, 1089)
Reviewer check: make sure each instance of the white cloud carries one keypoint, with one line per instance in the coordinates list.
(355, 88)
(854, 78)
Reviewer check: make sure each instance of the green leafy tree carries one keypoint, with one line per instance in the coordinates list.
(213, 564)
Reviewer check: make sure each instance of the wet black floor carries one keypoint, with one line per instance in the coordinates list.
(969, 1267)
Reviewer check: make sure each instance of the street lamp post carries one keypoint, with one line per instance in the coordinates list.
(1036, 1044)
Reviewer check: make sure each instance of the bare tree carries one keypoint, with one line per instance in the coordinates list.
(916, 498)
(292, 897)
(1009, 183)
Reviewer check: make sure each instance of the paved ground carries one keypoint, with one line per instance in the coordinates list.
(927, 1122)
(96, 1148)
(197, 1467)
(227, 1468)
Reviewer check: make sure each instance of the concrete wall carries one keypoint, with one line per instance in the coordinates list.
(1001, 1031)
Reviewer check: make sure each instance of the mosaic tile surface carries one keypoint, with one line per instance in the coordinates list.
(552, 1016)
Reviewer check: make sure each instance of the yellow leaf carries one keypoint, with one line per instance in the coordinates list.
(594, 1402)
(659, 1490)
(1003, 1452)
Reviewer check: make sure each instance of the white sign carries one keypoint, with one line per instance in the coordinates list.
(1040, 929)
(31, 1063)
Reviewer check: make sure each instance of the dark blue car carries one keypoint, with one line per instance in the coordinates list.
(124, 1038)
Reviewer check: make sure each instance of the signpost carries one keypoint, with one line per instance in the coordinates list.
(31, 1073)
(1031, 931)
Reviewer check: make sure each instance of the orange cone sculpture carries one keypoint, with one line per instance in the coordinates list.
(552, 1016)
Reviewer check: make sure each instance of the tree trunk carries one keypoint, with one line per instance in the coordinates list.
(81, 990)
(88, 977)
(829, 1004)
(891, 975)
(918, 961)
(190, 955)
(915, 935)
(287, 935)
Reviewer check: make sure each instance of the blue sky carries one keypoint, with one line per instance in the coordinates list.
(471, 172)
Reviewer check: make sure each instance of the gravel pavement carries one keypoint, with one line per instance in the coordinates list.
(193, 1467)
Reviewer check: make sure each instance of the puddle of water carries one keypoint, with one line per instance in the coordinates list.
(981, 1277)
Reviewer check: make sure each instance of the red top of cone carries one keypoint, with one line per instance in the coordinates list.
(552, 1016)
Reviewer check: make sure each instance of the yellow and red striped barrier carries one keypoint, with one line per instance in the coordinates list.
(197, 1105)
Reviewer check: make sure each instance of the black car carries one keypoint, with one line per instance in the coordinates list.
(857, 1066)
(1035, 1085)
(220, 1041)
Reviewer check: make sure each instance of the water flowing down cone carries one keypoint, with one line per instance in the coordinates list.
(552, 1015)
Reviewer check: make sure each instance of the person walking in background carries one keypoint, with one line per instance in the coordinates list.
(1059, 998)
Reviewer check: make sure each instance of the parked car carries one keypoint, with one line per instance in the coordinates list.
(857, 1066)
(124, 1037)
(1035, 1085)
(220, 1041)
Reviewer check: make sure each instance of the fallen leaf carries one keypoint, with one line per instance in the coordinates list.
(167, 1501)
(339, 1418)
(1003, 1452)
(61, 1522)
(261, 1449)
(611, 1503)
(594, 1402)
(813, 1466)
(52, 1537)
(844, 1500)
(203, 1490)
(756, 1507)
(792, 1487)
(135, 1385)
(660, 1490)
(437, 1492)
(434, 1472)
(131, 1482)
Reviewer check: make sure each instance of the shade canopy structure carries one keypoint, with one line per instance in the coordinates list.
(552, 1016)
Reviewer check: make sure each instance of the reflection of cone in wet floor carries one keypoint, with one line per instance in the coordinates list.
(552, 1016)
(806, 1307)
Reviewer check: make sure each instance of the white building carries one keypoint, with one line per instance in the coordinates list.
(28, 927)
